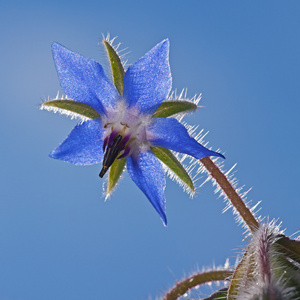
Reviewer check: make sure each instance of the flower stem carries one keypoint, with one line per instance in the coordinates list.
(185, 285)
(231, 193)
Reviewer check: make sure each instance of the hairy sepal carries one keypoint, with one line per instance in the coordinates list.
(71, 107)
(287, 263)
(170, 160)
(290, 247)
(116, 66)
(115, 173)
(243, 275)
(169, 108)
(270, 266)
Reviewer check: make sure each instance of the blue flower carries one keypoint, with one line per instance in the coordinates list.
(126, 126)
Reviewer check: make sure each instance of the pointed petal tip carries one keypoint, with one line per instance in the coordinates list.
(52, 154)
(162, 47)
(55, 154)
(219, 155)
(162, 215)
(165, 222)
(55, 46)
(165, 41)
(213, 153)
(165, 44)
(222, 156)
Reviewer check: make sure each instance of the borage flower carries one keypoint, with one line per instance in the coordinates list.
(125, 120)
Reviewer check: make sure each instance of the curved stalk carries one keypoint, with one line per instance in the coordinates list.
(183, 286)
(231, 193)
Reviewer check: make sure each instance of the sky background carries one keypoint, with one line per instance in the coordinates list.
(59, 239)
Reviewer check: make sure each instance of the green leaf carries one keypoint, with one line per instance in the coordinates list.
(71, 106)
(169, 159)
(169, 108)
(116, 67)
(115, 172)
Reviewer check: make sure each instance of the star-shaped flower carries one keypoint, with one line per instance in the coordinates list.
(125, 120)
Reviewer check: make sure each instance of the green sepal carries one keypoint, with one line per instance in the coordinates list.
(285, 269)
(71, 106)
(170, 160)
(291, 247)
(244, 273)
(169, 108)
(286, 265)
(115, 173)
(116, 67)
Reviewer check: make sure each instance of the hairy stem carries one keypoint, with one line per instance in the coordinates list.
(183, 286)
(231, 193)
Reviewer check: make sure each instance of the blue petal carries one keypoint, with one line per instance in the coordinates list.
(147, 173)
(148, 81)
(169, 133)
(83, 79)
(83, 146)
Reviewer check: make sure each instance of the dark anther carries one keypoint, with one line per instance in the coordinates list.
(111, 153)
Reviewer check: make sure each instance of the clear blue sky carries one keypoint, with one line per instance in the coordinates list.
(58, 238)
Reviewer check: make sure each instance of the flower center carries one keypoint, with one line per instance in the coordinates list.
(124, 134)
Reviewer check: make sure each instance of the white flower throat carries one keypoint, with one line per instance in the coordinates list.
(125, 134)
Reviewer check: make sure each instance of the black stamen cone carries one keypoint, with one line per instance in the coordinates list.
(103, 171)
(111, 154)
